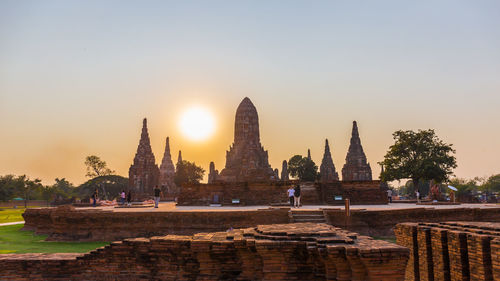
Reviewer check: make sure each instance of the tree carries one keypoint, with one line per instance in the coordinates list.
(464, 186)
(303, 168)
(188, 173)
(492, 183)
(60, 190)
(96, 167)
(111, 186)
(418, 156)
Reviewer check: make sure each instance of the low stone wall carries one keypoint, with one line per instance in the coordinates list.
(69, 224)
(273, 252)
(451, 250)
(382, 222)
(312, 193)
(246, 193)
(358, 192)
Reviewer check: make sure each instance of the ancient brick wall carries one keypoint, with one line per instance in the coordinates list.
(382, 222)
(359, 192)
(304, 251)
(451, 250)
(246, 193)
(70, 224)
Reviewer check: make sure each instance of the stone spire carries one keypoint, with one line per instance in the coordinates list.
(143, 173)
(213, 173)
(327, 168)
(246, 159)
(167, 171)
(276, 174)
(179, 158)
(356, 167)
(309, 154)
(284, 171)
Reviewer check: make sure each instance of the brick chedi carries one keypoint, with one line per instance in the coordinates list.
(143, 173)
(302, 251)
(284, 171)
(327, 168)
(246, 160)
(356, 167)
(167, 172)
(213, 173)
(276, 174)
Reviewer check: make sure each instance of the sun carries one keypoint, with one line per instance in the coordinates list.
(197, 123)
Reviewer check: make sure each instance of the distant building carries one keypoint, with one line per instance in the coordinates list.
(246, 159)
(143, 173)
(356, 167)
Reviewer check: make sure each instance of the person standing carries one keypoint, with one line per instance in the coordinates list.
(122, 197)
(158, 193)
(290, 192)
(389, 195)
(94, 197)
(296, 196)
(417, 193)
(129, 198)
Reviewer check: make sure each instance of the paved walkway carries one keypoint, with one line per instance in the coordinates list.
(171, 207)
(11, 223)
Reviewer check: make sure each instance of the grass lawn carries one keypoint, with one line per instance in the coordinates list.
(14, 241)
(11, 214)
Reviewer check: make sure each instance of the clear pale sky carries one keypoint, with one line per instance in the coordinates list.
(77, 77)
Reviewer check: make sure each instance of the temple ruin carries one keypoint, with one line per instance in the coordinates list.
(167, 172)
(327, 169)
(246, 160)
(356, 167)
(143, 173)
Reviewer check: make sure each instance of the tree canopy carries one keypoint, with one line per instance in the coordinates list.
(188, 173)
(303, 168)
(96, 167)
(418, 156)
(108, 186)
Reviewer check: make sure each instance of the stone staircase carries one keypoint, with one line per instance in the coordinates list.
(306, 216)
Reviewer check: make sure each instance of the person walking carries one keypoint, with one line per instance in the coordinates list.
(290, 192)
(158, 193)
(94, 197)
(389, 195)
(122, 197)
(296, 196)
(417, 193)
(129, 198)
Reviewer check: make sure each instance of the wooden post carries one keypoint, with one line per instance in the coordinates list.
(347, 207)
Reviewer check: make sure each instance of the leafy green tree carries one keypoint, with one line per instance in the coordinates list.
(303, 168)
(108, 186)
(464, 186)
(61, 189)
(419, 156)
(20, 186)
(492, 183)
(97, 167)
(188, 173)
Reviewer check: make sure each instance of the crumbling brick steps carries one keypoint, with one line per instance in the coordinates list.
(451, 250)
(300, 251)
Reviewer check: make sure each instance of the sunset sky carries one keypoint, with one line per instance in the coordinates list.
(77, 77)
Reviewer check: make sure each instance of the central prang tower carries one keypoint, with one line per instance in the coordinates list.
(246, 160)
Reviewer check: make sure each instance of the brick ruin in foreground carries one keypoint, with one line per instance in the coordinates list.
(302, 251)
(67, 223)
(451, 250)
